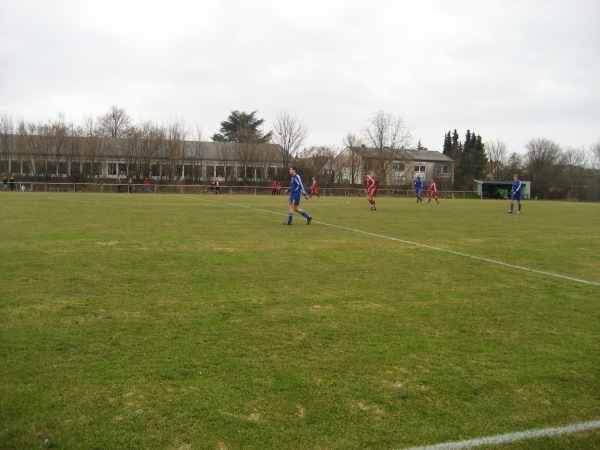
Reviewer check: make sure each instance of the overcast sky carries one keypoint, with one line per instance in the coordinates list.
(509, 70)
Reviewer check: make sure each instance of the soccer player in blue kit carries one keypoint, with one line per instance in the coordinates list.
(515, 194)
(296, 189)
(418, 184)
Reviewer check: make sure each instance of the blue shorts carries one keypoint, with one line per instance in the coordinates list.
(295, 198)
(418, 190)
(515, 196)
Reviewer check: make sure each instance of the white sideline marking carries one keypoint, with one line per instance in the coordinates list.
(431, 247)
(514, 437)
(466, 255)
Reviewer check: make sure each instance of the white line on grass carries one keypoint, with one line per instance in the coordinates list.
(466, 255)
(431, 247)
(500, 439)
(381, 236)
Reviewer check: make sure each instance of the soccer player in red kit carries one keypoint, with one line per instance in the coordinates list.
(371, 190)
(433, 191)
(314, 188)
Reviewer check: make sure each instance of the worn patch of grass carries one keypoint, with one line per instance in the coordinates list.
(175, 321)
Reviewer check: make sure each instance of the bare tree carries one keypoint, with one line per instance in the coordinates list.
(496, 153)
(31, 146)
(73, 151)
(55, 137)
(115, 123)
(384, 130)
(315, 159)
(576, 161)
(386, 133)
(268, 155)
(290, 134)
(6, 143)
(247, 153)
(349, 161)
(176, 137)
(224, 157)
(92, 148)
(543, 162)
(152, 141)
(198, 152)
(129, 150)
(595, 151)
(594, 193)
(514, 164)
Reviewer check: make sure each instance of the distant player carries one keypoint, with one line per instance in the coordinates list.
(314, 188)
(418, 184)
(515, 194)
(296, 190)
(371, 190)
(433, 191)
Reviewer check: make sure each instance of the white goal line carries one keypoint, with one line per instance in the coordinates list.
(500, 439)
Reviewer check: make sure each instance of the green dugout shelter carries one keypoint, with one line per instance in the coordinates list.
(500, 189)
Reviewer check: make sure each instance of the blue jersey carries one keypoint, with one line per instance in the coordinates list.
(418, 184)
(516, 186)
(296, 186)
(516, 190)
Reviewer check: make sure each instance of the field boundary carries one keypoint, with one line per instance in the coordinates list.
(416, 244)
(466, 255)
(431, 247)
(507, 438)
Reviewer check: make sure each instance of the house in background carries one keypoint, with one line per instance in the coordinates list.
(393, 167)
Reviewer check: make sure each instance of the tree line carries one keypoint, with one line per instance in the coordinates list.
(553, 171)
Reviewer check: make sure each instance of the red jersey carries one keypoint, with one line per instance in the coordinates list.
(432, 188)
(371, 184)
(314, 185)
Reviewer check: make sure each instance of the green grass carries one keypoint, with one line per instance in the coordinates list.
(175, 322)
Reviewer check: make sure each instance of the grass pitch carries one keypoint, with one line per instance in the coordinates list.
(199, 321)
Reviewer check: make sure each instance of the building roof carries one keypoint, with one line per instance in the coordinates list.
(230, 150)
(498, 182)
(426, 155)
(405, 154)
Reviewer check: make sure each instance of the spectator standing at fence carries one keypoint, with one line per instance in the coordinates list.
(217, 187)
(515, 194)
(146, 185)
(370, 190)
(5, 183)
(296, 189)
(327, 191)
(130, 187)
(12, 183)
(278, 188)
(418, 184)
(433, 191)
(274, 188)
